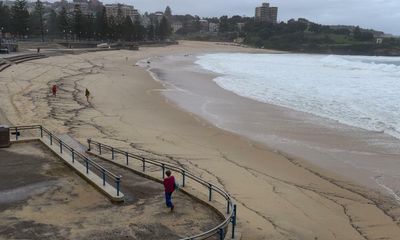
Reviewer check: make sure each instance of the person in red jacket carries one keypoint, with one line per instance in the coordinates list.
(169, 187)
(54, 90)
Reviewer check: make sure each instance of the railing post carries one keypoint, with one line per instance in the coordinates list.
(41, 131)
(73, 155)
(87, 166)
(61, 147)
(163, 170)
(221, 233)
(209, 191)
(127, 158)
(16, 133)
(144, 165)
(183, 178)
(51, 139)
(233, 220)
(89, 141)
(100, 148)
(104, 177)
(118, 184)
(112, 153)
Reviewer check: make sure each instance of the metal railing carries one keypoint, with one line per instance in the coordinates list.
(230, 216)
(76, 156)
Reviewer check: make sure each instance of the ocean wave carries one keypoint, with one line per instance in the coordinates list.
(355, 90)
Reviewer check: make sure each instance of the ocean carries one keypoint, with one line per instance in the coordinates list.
(360, 91)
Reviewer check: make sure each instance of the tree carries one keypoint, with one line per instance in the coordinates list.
(168, 13)
(4, 18)
(63, 22)
(89, 26)
(139, 31)
(52, 24)
(112, 26)
(37, 23)
(78, 22)
(20, 18)
(362, 36)
(102, 23)
(164, 29)
(223, 24)
(127, 29)
(150, 32)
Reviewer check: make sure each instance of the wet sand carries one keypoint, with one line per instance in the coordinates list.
(278, 196)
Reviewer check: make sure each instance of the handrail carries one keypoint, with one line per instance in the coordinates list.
(230, 216)
(76, 155)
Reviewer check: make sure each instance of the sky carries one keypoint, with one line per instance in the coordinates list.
(381, 15)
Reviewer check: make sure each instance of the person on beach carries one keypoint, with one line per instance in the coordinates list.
(169, 187)
(87, 94)
(54, 90)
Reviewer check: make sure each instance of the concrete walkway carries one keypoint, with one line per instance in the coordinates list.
(41, 198)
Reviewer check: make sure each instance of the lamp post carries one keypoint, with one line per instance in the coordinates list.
(65, 35)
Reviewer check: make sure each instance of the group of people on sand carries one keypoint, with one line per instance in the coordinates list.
(54, 91)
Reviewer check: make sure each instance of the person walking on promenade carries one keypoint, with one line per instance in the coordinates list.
(87, 94)
(169, 187)
(54, 90)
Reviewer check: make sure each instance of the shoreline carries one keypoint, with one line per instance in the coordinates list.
(278, 197)
(188, 99)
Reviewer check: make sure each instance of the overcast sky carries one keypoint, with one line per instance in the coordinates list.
(377, 14)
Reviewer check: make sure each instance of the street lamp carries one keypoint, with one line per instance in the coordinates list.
(65, 35)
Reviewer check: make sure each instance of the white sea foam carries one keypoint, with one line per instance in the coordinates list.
(355, 90)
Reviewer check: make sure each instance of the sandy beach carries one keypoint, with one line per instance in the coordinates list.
(279, 195)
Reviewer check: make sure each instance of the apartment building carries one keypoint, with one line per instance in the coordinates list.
(266, 13)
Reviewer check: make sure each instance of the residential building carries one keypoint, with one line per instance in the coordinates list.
(83, 6)
(126, 11)
(213, 27)
(240, 26)
(266, 13)
(176, 26)
(204, 25)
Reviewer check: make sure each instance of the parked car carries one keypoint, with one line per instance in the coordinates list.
(4, 50)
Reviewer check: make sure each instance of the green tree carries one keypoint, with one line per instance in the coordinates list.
(127, 29)
(52, 23)
(20, 18)
(89, 26)
(78, 22)
(37, 22)
(102, 23)
(223, 24)
(164, 29)
(168, 13)
(139, 31)
(63, 22)
(112, 33)
(150, 32)
(4, 18)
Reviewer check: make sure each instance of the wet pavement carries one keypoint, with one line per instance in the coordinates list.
(41, 198)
